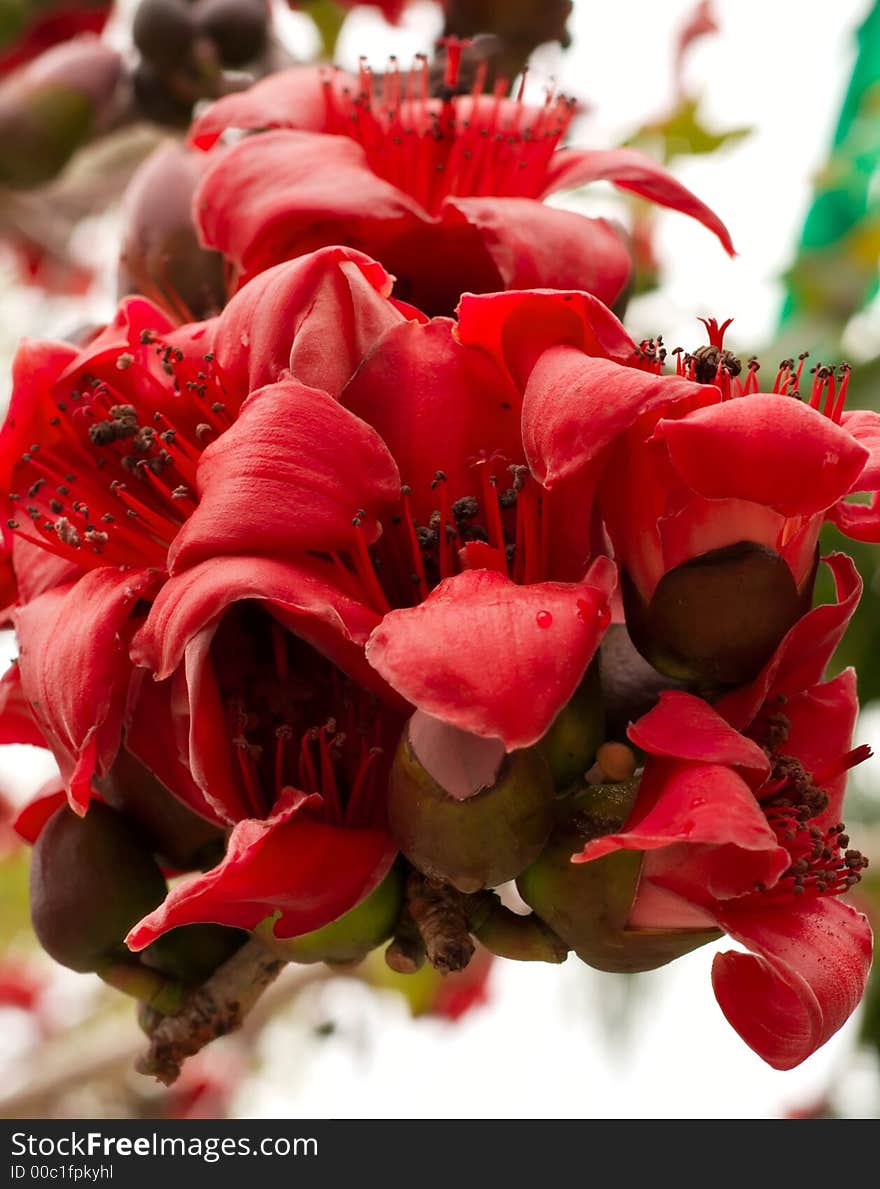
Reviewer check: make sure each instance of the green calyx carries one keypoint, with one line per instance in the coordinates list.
(571, 743)
(350, 937)
(588, 905)
(481, 840)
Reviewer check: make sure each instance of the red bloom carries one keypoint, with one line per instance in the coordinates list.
(447, 193)
(100, 449)
(748, 839)
(690, 468)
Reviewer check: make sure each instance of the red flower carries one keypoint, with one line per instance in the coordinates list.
(447, 193)
(748, 839)
(101, 447)
(702, 467)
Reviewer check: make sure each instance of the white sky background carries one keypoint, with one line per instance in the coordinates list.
(547, 1046)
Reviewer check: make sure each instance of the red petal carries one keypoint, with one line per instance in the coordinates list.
(684, 727)
(804, 651)
(491, 657)
(155, 736)
(437, 405)
(861, 522)
(287, 99)
(31, 818)
(289, 475)
(633, 171)
(576, 405)
(864, 426)
(17, 723)
(287, 318)
(701, 805)
(759, 448)
(517, 327)
(275, 196)
(536, 246)
(806, 977)
(303, 595)
(81, 630)
(309, 872)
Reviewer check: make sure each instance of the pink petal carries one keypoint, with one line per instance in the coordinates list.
(806, 976)
(636, 172)
(289, 475)
(759, 448)
(491, 657)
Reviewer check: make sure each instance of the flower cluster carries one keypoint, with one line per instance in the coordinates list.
(352, 611)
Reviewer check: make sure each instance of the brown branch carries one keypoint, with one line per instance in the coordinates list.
(214, 1009)
(440, 916)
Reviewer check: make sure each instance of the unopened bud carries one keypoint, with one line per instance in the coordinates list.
(91, 880)
(716, 619)
(161, 255)
(52, 106)
(462, 810)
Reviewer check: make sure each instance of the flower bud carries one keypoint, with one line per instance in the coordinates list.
(350, 937)
(576, 733)
(91, 880)
(161, 255)
(163, 31)
(52, 106)
(588, 905)
(238, 28)
(717, 618)
(178, 837)
(464, 811)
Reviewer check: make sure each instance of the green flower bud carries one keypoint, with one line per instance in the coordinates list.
(576, 733)
(716, 619)
(464, 811)
(350, 937)
(91, 880)
(588, 905)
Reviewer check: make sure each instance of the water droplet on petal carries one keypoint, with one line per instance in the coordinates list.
(697, 802)
(543, 619)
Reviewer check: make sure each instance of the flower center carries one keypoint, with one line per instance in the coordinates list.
(113, 477)
(502, 524)
(297, 722)
(822, 864)
(435, 147)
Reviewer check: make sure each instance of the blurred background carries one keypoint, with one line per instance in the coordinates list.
(771, 114)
